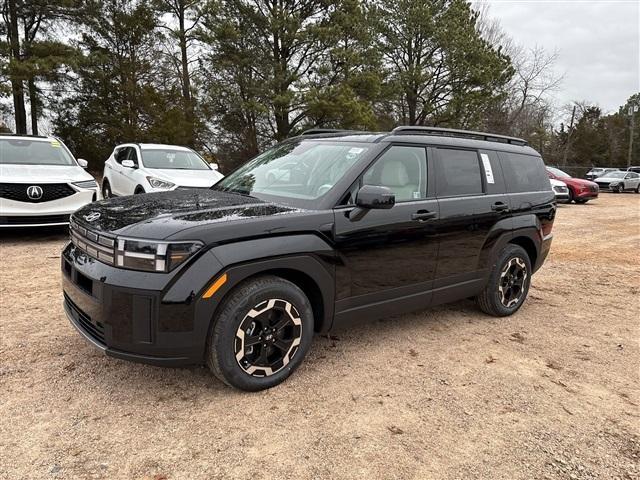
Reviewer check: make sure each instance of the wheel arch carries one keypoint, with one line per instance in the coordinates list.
(528, 245)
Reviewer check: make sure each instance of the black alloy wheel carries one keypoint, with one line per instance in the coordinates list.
(261, 332)
(268, 337)
(513, 281)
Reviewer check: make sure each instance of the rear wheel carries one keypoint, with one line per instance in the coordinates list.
(508, 284)
(106, 189)
(260, 334)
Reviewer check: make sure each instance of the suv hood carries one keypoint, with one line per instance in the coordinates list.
(606, 179)
(13, 173)
(157, 216)
(186, 178)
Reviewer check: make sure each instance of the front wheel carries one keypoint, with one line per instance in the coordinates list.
(582, 200)
(508, 284)
(106, 189)
(620, 188)
(260, 334)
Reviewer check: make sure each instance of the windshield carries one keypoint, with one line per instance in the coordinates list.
(614, 175)
(304, 170)
(34, 152)
(558, 173)
(173, 159)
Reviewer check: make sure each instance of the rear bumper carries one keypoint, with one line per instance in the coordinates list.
(545, 247)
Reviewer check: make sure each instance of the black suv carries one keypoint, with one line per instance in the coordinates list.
(322, 229)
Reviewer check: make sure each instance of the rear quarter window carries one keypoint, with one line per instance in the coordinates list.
(524, 173)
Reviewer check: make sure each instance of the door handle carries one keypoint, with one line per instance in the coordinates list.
(422, 215)
(499, 207)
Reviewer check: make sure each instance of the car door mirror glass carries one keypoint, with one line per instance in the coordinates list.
(83, 163)
(128, 164)
(375, 197)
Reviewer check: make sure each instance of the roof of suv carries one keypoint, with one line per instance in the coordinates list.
(16, 136)
(429, 135)
(154, 146)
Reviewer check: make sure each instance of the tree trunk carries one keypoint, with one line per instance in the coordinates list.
(17, 86)
(35, 105)
(186, 80)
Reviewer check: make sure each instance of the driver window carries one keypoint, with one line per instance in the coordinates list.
(401, 169)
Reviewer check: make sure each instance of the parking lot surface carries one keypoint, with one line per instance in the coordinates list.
(552, 392)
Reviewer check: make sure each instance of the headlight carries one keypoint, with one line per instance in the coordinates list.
(157, 183)
(153, 256)
(86, 184)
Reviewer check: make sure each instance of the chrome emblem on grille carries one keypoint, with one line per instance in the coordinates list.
(92, 216)
(34, 192)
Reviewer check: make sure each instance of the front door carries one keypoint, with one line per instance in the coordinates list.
(387, 258)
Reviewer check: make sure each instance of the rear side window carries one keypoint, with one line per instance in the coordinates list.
(524, 173)
(458, 172)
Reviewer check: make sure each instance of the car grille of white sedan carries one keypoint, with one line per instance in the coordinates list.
(35, 192)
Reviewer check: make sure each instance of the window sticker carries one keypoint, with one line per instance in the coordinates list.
(354, 152)
(487, 168)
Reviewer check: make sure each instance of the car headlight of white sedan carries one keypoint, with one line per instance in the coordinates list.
(161, 184)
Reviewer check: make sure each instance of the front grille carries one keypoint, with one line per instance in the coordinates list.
(23, 220)
(97, 245)
(47, 192)
(603, 184)
(94, 329)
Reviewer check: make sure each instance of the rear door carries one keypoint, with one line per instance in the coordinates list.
(472, 201)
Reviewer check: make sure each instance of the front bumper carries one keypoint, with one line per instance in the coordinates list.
(163, 324)
(586, 194)
(56, 212)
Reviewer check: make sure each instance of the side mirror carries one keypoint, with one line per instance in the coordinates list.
(83, 163)
(128, 164)
(375, 197)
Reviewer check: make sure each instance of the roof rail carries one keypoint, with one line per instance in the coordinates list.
(316, 131)
(451, 132)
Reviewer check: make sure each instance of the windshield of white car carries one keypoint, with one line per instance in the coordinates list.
(614, 175)
(173, 159)
(34, 152)
(558, 173)
(303, 169)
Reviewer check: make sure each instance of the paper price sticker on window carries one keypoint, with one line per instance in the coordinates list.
(487, 168)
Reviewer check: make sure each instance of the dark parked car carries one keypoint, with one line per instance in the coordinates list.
(240, 276)
(580, 191)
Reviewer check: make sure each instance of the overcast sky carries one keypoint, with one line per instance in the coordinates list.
(598, 44)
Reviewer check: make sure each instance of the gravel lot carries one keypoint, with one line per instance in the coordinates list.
(552, 392)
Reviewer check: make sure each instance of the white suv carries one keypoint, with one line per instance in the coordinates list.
(40, 182)
(142, 168)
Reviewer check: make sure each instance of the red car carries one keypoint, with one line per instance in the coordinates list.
(580, 191)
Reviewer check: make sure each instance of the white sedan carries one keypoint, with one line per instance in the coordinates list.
(41, 183)
(135, 168)
(619, 181)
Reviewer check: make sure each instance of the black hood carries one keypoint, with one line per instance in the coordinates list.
(160, 215)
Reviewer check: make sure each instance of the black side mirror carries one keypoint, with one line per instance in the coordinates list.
(375, 197)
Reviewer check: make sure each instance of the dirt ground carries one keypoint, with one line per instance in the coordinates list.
(552, 392)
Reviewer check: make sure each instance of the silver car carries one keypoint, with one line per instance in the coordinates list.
(619, 181)
(560, 189)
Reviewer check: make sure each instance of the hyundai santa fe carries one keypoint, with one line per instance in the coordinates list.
(41, 183)
(146, 167)
(240, 276)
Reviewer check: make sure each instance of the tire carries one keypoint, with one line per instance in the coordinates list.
(582, 201)
(571, 196)
(260, 303)
(620, 188)
(139, 190)
(637, 190)
(492, 300)
(106, 189)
